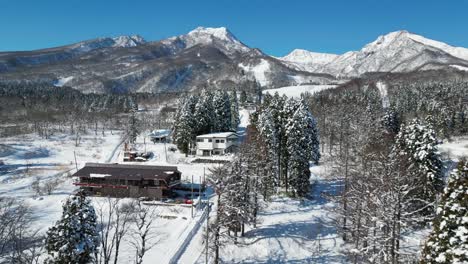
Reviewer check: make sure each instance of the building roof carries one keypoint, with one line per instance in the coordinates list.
(124, 171)
(218, 135)
(160, 133)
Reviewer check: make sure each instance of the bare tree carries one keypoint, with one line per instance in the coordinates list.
(19, 242)
(113, 221)
(143, 238)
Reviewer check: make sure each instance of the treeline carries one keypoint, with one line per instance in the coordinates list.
(48, 98)
(291, 136)
(204, 113)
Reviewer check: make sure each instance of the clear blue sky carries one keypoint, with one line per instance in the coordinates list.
(275, 26)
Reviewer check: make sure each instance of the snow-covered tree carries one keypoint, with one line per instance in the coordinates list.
(203, 114)
(268, 132)
(74, 238)
(185, 126)
(222, 111)
(391, 121)
(300, 143)
(417, 143)
(448, 242)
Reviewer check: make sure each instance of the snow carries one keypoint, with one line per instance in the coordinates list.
(259, 71)
(458, 52)
(62, 81)
(296, 91)
(455, 148)
(207, 35)
(305, 56)
(458, 67)
(98, 175)
(307, 60)
(289, 230)
(216, 135)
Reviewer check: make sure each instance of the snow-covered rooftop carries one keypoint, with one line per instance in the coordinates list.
(160, 133)
(217, 135)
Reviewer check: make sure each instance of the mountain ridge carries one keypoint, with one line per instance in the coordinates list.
(215, 57)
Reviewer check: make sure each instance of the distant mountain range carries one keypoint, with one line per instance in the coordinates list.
(214, 57)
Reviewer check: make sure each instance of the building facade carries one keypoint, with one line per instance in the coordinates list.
(217, 144)
(122, 180)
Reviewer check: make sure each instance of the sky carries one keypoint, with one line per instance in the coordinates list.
(276, 27)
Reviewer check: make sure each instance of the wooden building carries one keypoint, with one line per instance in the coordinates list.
(122, 180)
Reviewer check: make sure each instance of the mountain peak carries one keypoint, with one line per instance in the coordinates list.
(220, 33)
(128, 41)
(221, 37)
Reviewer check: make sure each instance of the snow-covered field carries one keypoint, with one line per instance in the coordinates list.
(288, 230)
(296, 91)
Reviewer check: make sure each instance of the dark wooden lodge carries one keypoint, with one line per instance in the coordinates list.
(122, 180)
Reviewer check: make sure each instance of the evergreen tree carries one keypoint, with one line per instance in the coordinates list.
(185, 126)
(74, 238)
(203, 114)
(391, 121)
(448, 242)
(222, 112)
(416, 145)
(235, 120)
(243, 98)
(298, 145)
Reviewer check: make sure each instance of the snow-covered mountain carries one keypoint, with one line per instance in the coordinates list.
(399, 51)
(214, 57)
(306, 60)
(220, 37)
(204, 57)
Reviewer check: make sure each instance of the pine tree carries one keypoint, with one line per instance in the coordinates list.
(185, 126)
(235, 120)
(448, 242)
(243, 98)
(299, 154)
(74, 238)
(203, 114)
(391, 121)
(268, 133)
(222, 112)
(417, 143)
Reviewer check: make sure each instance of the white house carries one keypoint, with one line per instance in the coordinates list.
(217, 143)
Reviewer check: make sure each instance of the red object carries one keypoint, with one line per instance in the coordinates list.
(188, 201)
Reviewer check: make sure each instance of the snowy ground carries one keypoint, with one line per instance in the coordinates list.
(289, 231)
(456, 148)
(296, 91)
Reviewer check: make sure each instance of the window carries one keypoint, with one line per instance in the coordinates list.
(199, 139)
(217, 141)
(222, 140)
(210, 140)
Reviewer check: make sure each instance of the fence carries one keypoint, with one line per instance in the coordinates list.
(181, 249)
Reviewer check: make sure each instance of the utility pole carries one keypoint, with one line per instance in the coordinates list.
(76, 164)
(199, 193)
(207, 231)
